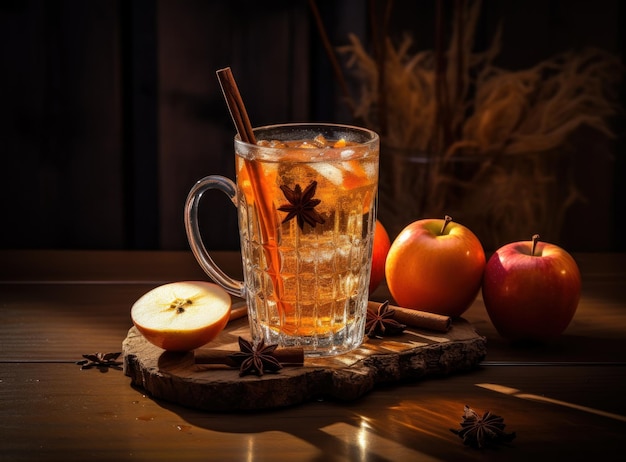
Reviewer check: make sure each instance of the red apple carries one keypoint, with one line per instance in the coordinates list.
(531, 290)
(435, 265)
(379, 256)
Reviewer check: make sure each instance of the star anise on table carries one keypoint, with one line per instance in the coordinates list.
(255, 359)
(481, 431)
(103, 361)
(301, 205)
(382, 323)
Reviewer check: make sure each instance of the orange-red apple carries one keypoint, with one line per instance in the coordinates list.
(379, 256)
(435, 265)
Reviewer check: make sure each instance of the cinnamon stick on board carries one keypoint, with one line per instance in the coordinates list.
(416, 318)
(293, 357)
(238, 310)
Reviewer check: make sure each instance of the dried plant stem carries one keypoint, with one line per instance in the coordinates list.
(445, 109)
(460, 57)
(380, 52)
(328, 48)
(442, 133)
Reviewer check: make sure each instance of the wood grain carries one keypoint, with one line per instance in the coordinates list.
(416, 354)
(564, 400)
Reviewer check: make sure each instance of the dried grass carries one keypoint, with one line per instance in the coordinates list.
(490, 114)
(492, 110)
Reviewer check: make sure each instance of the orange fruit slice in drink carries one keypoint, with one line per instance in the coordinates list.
(354, 175)
(268, 179)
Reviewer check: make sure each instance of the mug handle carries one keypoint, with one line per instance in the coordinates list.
(232, 286)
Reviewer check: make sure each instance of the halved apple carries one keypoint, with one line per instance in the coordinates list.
(182, 316)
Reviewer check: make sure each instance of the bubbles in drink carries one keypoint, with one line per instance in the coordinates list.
(318, 142)
(324, 264)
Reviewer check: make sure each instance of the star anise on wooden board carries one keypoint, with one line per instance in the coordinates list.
(255, 359)
(103, 361)
(481, 431)
(301, 205)
(382, 323)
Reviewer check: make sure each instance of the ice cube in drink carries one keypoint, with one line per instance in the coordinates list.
(307, 275)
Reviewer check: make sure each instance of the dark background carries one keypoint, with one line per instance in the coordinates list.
(110, 110)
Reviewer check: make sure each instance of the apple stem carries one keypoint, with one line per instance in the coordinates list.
(447, 219)
(534, 246)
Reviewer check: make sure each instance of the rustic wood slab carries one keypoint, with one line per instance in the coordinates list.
(413, 355)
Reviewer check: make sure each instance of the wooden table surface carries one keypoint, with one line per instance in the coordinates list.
(564, 400)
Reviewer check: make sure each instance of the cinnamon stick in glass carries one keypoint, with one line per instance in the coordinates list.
(261, 196)
(417, 318)
(235, 105)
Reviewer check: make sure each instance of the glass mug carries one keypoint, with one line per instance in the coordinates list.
(306, 201)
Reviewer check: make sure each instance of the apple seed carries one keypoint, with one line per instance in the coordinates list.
(179, 304)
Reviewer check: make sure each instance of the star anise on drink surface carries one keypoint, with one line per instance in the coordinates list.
(255, 359)
(301, 205)
(103, 361)
(382, 322)
(481, 431)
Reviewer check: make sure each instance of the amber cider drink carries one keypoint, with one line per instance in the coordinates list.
(307, 209)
